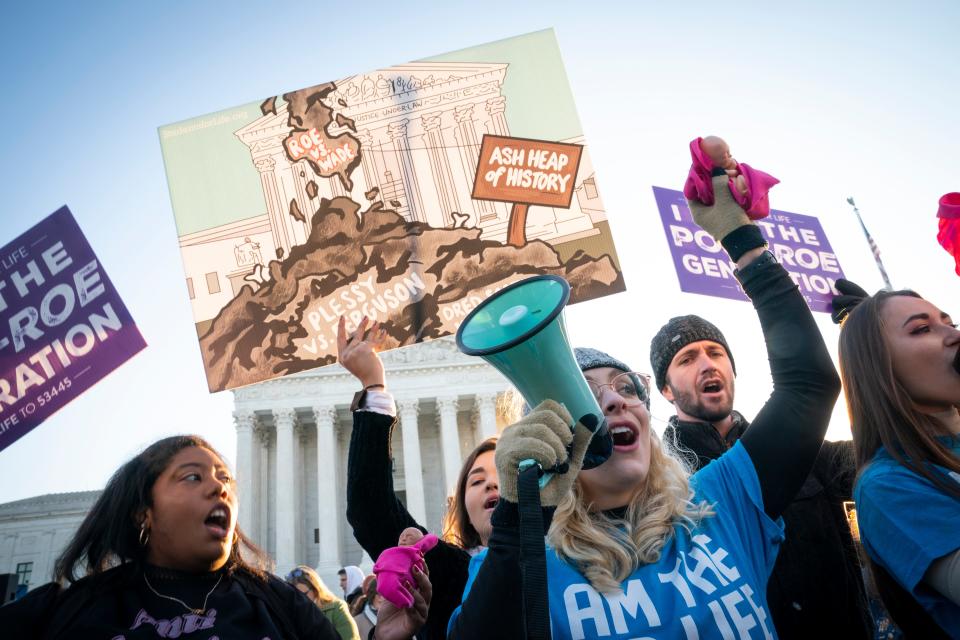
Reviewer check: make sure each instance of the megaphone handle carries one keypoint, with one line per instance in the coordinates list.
(544, 477)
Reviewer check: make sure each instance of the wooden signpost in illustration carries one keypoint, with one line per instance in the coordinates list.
(526, 172)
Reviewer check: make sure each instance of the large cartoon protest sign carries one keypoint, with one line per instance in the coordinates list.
(797, 240)
(369, 196)
(63, 326)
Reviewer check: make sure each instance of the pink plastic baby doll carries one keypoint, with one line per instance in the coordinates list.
(395, 565)
(749, 186)
(719, 152)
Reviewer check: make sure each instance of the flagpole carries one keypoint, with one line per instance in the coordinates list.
(873, 246)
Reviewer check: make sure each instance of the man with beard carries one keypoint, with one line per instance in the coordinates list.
(816, 583)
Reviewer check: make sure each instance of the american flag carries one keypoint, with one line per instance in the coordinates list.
(873, 246)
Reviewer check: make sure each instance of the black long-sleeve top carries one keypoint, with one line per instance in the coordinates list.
(782, 443)
(121, 604)
(378, 517)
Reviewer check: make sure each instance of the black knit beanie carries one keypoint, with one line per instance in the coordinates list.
(674, 336)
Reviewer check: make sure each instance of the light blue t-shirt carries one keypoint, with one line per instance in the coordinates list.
(710, 583)
(906, 523)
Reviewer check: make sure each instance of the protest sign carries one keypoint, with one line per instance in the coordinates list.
(525, 172)
(63, 326)
(366, 196)
(797, 240)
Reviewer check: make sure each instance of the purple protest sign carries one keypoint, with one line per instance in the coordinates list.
(797, 240)
(63, 326)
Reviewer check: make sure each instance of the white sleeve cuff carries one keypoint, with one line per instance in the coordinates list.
(380, 402)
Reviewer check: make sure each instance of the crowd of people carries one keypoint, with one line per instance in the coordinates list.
(725, 526)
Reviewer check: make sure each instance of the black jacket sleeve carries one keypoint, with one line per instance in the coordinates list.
(494, 608)
(307, 618)
(378, 517)
(785, 437)
(29, 616)
(373, 509)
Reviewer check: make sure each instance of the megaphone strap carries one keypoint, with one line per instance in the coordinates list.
(533, 556)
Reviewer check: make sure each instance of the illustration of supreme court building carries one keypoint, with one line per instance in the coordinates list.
(420, 126)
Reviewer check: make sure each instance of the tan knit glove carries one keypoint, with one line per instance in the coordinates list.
(542, 436)
(724, 215)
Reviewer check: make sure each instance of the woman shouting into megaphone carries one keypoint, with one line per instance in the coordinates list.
(637, 546)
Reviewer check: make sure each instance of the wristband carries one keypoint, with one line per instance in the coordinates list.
(760, 262)
(360, 397)
(743, 239)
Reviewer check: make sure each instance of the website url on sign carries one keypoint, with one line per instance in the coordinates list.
(205, 123)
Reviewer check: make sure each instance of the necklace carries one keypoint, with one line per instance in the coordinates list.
(198, 612)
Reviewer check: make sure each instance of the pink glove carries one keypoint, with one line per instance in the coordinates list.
(394, 570)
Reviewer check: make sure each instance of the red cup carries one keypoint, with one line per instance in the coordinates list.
(949, 206)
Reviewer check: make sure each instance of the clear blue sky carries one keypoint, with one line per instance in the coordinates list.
(832, 98)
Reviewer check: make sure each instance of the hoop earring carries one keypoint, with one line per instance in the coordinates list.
(144, 537)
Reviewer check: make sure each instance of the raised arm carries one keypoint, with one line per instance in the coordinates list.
(373, 509)
(785, 437)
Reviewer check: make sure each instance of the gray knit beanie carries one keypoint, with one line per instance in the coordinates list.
(674, 336)
(588, 358)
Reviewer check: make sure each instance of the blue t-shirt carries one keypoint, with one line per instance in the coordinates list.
(710, 583)
(906, 523)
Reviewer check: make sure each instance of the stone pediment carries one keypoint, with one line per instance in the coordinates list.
(443, 350)
(438, 354)
(50, 503)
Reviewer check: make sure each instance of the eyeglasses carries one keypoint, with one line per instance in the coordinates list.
(296, 573)
(632, 386)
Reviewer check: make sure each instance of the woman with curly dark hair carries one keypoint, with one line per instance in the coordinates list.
(160, 555)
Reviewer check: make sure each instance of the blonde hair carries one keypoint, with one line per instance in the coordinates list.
(308, 577)
(606, 549)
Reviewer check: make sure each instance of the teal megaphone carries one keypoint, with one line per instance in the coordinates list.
(520, 331)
